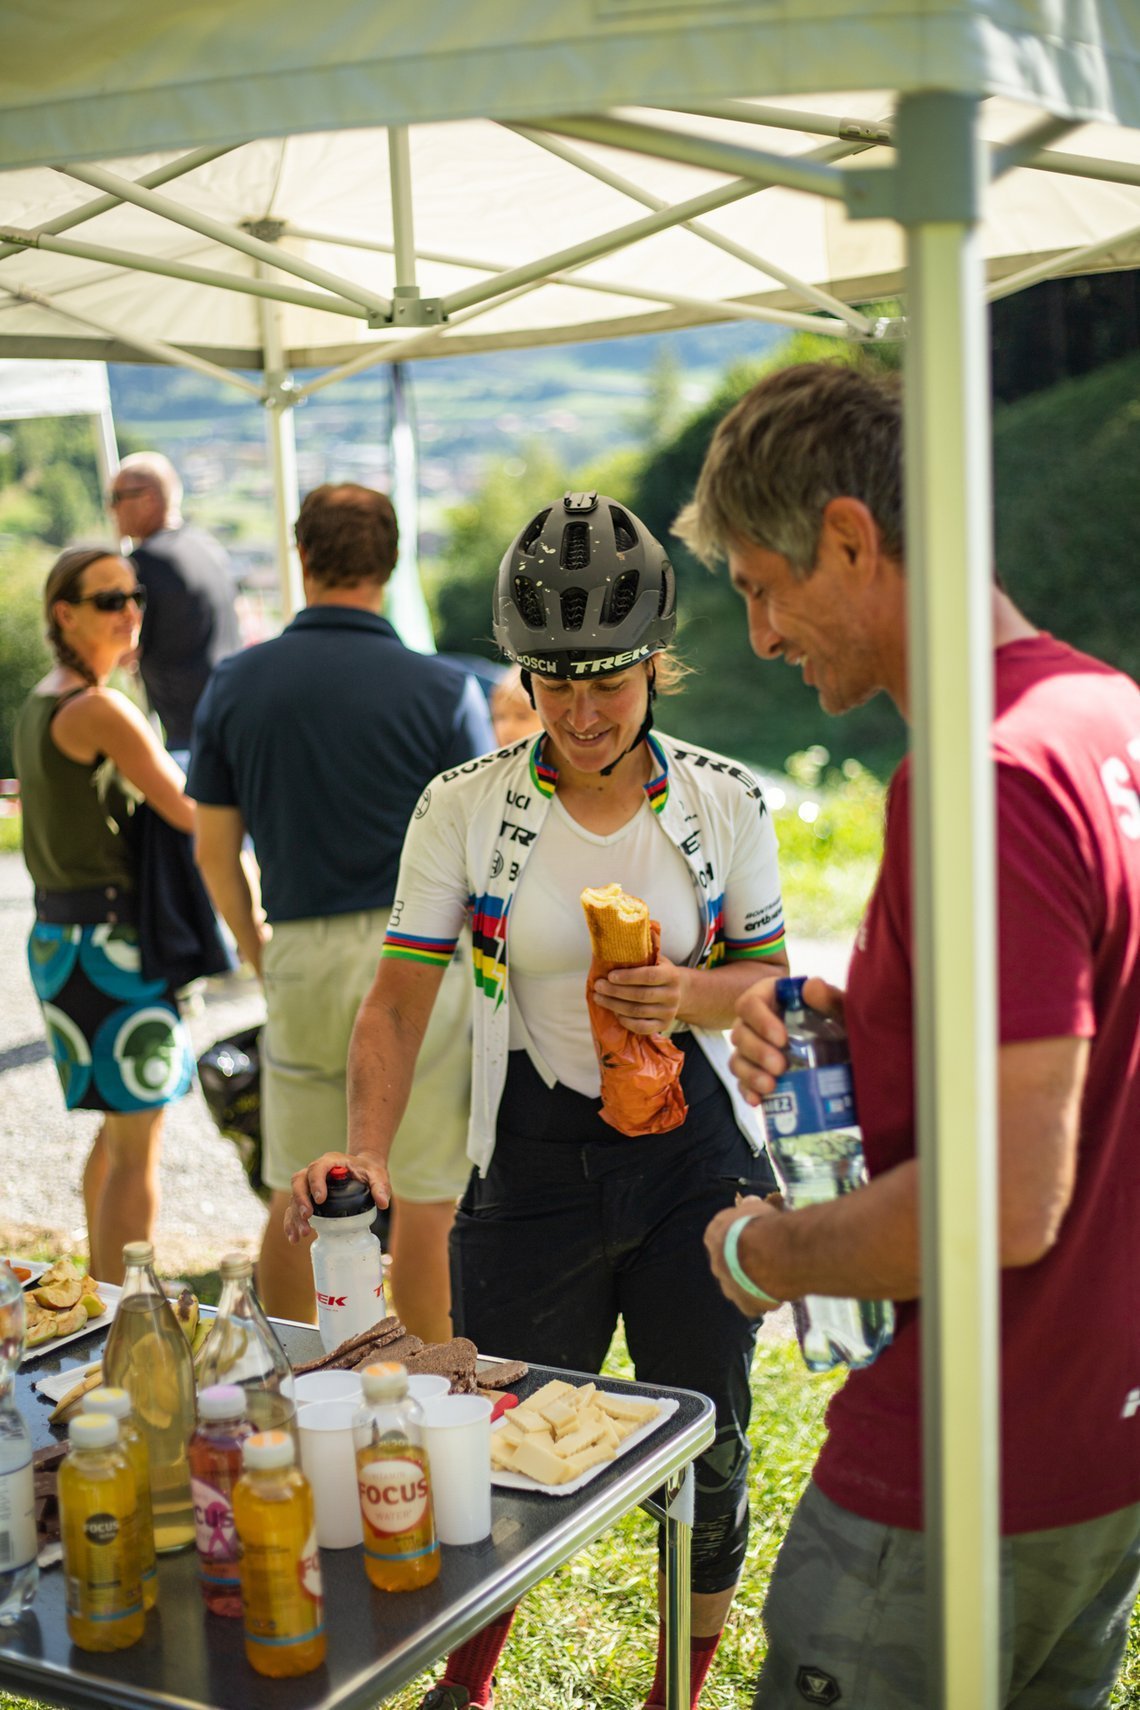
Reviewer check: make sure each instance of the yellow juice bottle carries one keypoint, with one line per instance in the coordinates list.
(117, 1403)
(99, 1528)
(283, 1609)
(401, 1551)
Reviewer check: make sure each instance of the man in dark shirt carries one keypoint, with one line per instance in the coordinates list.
(319, 744)
(189, 622)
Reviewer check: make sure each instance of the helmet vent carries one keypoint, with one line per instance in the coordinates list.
(625, 535)
(573, 608)
(530, 534)
(665, 601)
(528, 602)
(623, 596)
(575, 546)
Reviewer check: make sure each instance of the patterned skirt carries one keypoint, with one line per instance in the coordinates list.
(118, 1040)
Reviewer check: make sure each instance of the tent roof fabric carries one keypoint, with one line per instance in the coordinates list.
(113, 77)
(490, 198)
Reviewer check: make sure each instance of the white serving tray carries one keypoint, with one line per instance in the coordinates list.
(110, 1293)
(521, 1481)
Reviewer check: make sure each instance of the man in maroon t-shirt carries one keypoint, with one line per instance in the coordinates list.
(801, 490)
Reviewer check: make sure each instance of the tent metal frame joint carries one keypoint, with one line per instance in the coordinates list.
(409, 309)
(939, 175)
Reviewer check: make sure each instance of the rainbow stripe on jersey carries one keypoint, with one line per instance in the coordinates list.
(406, 947)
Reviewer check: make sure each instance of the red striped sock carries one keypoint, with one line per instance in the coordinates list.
(701, 1653)
(473, 1664)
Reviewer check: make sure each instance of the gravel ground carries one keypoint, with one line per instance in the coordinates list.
(207, 1208)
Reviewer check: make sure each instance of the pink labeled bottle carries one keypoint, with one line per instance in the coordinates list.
(215, 1467)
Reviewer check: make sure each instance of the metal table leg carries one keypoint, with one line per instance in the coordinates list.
(678, 1537)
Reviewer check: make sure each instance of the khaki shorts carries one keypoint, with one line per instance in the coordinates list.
(316, 973)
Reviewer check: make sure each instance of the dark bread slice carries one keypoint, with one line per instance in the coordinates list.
(402, 1349)
(503, 1375)
(348, 1353)
(454, 1360)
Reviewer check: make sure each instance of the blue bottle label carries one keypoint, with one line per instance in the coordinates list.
(810, 1101)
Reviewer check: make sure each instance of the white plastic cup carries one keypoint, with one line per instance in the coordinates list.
(425, 1386)
(328, 1459)
(457, 1435)
(327, 1386)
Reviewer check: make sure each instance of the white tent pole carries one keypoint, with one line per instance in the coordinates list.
(718, 308)
(405, 606)
(810, 293)
(591, 249)
(135, 262)
(1086, 166)
(400, 178)
(949, 556)
(809, 172)
(1069, 262)
(106, 447)
(790, 119)
(1023, 150)
(150, 181)
(180, 215)
(281, 436)
(156, 348)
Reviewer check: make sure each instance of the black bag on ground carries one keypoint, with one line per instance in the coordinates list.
(230, 1077)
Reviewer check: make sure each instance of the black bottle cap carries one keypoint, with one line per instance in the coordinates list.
(344, 1195)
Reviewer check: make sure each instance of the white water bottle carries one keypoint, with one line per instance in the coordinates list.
(348, 1265)
(19, 1572)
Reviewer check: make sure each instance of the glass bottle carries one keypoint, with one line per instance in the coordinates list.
(148, 1355)
(243, 1349)
(282, 1601)
(215, 1467)
(19, 1570)
(98, 1513)
(816, 1149)
(401, 1551)
(117, 1403)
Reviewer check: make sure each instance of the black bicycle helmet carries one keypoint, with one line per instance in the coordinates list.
(584, 590)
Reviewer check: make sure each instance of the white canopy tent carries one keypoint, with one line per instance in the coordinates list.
(961, 148)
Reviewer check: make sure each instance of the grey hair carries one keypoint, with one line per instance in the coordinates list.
(801, 437)
(159, 472)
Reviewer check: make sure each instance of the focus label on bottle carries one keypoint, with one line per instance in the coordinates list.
(394, 1495)
(214, 1531)
(809, 1101)
(309, 1570)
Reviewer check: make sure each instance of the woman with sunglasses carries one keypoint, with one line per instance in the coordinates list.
(84, 756)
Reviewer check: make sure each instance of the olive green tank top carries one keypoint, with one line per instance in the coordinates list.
(73, 811)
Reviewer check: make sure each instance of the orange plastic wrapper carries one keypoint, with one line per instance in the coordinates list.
(641, 1072)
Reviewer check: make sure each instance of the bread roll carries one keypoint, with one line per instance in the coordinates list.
(619, 926)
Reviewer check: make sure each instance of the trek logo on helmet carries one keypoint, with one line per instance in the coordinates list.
(614, 662)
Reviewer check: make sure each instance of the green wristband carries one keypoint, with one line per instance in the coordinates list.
(736, 1270)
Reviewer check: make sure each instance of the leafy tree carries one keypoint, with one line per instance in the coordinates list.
(480, 530)
(23, 652)
(65, 503)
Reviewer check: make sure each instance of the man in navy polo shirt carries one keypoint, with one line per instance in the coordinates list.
(319, 745)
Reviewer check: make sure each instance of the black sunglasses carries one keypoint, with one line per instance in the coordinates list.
(113, 599)
(116, 498)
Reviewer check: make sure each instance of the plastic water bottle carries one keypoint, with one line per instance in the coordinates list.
(19, 1570)
(348, 1265)
(817, 1153)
